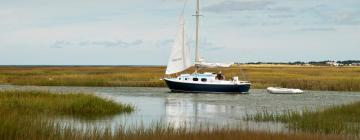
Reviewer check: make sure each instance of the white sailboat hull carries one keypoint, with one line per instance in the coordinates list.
(275, 90)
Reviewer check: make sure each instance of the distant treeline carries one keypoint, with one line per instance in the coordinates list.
(346, 62)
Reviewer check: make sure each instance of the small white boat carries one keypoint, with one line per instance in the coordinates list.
(277, 90)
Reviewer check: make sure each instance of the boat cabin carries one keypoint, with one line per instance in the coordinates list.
(206, 77)
(203, 77)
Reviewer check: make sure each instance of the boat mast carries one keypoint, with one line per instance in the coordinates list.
(183, 33)
(197, 59)
(183, 42)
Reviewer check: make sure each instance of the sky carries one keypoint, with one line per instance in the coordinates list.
(141, 32)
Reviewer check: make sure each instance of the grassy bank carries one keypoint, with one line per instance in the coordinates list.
(42, 102)
(310, 78)
(28, 113)
(344, 119)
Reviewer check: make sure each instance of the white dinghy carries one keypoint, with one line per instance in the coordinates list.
(277, 90)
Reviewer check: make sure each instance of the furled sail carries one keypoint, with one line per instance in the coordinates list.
(203, 64)
(180, 53)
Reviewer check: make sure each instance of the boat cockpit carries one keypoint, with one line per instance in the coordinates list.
(206, 77)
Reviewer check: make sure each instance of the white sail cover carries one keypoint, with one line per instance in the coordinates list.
(180, 54)
(202, 64)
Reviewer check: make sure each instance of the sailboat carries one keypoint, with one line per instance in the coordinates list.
(208, 82)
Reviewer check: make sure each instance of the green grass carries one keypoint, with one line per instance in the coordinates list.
(308, 78)
(42, 102)
(344, 119)
(28, 114)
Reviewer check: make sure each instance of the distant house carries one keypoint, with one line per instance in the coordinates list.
(334, 63)
(355, 64)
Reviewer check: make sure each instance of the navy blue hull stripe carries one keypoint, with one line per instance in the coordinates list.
(192, 87)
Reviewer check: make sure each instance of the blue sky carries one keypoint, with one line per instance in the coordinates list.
(140, 32)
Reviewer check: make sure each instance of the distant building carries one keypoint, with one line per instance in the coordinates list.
(355, 64)
(334, 63)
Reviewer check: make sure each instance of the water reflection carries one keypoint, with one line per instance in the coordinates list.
(180, 111)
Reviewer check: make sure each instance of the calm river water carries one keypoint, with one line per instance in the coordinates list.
(157, 105)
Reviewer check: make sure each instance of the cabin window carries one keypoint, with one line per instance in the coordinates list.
(203, 79)
(195, 79)
(179, 78)
(186, 78)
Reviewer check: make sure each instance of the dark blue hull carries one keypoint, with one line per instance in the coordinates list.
(211, 88)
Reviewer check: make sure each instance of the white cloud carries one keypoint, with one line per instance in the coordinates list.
(232, 5)
(106, 44)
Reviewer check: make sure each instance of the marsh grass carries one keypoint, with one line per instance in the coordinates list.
(43, 102)
(27, 115)
(308, 78)
(344, 119)
(83, 76)
(169, 133)
(19, 128)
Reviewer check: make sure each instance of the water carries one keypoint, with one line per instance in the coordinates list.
(157, 105)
